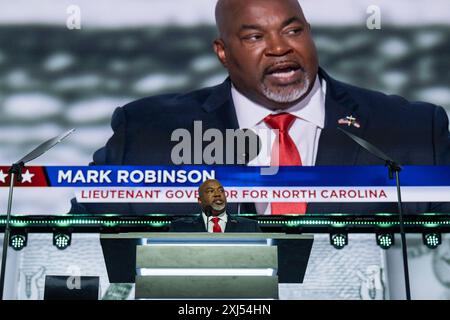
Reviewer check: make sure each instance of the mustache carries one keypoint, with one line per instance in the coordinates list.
(280, 65)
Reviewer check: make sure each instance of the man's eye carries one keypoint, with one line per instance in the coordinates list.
(294, 31)
(253, 37)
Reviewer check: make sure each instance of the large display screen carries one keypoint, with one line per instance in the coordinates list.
(70, 65)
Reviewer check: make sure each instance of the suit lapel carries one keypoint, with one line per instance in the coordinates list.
(219, 107)
(232, 224)
(335, 148)
(199, 224)
(219, 114)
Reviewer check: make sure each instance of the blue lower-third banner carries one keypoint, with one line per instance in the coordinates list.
(242, 183)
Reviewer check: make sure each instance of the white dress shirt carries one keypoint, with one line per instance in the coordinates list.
(223, 218)
(305, 131)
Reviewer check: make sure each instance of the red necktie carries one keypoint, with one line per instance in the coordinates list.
(216, 226)
(284, 153)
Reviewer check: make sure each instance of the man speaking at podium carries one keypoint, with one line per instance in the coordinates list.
(214, 218)
(275, 83)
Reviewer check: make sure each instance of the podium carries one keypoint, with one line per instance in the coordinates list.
(205, 265)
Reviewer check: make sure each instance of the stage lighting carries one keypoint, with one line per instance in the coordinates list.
(62, 240)
(432, 239)
(338, 240)
(18, 241)
(385, 240)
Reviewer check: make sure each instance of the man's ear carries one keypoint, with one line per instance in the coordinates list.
(199, 201)
(219, 48)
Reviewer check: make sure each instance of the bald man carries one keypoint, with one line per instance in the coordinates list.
(275, 83)
(268, 50)
(214, 217)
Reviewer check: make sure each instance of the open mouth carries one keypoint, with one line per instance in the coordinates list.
(286, 72)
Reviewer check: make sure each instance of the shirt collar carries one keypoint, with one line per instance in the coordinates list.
(311, 108)
(223, 216)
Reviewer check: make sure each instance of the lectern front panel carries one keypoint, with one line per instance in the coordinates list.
(213, 256)
(206, 287)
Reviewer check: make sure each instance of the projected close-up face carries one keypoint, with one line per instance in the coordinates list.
(268, 50)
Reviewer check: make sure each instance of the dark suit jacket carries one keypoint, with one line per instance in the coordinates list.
(197, 224)
(412, 133)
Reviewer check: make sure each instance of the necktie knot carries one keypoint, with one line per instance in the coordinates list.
(216, 225)
(215, 220)
(281, 121)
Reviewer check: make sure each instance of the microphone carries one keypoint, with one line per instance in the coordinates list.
(393, 167)
(16, 173)
(44, 147)
(208, 211)
(392, 164)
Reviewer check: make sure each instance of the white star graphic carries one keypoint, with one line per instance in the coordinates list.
(3, 176)
(26, 177)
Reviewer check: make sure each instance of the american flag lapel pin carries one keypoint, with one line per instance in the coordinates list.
(349, 121)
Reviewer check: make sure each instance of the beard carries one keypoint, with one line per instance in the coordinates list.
(218, 207)
(288, 93)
